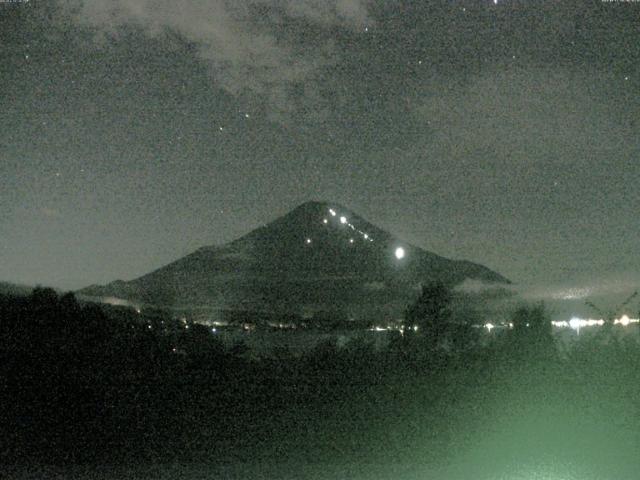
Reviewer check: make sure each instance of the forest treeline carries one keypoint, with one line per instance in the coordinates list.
(81, 383)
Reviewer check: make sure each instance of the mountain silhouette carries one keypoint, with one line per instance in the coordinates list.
(321, 256)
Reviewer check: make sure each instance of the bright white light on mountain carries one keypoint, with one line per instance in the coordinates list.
(343, 219)
(489, 326)
(351, 240)
(308, 241)
(332, 212)
(399, 253)
(366, 237)
(325, 221)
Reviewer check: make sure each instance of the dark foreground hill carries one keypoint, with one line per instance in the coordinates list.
(319, 257)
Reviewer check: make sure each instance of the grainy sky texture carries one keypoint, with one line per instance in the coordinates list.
(135, 131)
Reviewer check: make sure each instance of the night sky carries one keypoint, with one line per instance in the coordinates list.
(133, 132)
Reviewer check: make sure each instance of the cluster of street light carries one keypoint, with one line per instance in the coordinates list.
(577, 323)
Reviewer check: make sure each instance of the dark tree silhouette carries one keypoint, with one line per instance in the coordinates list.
(431, 312)
(531, 321)
(532, 336)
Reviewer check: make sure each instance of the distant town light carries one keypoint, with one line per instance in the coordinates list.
(325, 221)
(308, 241)
(351, 240)
(489, 326)
(343, 219)
(575, 323)
(332, 212)
(399, 253)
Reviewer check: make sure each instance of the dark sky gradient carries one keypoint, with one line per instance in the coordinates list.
(135, 131)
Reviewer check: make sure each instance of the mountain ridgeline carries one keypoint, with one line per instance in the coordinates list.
(319, 257)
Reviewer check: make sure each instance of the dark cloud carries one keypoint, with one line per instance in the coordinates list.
(260, 47)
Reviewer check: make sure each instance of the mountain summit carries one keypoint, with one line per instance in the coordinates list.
(320, 256)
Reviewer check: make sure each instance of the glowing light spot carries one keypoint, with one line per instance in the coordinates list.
(366, 237)
(332, 212)
(325, 221)
(351, 240)
(399, 253)
(308, 241)
(624, 321)
(575, 323)
(489, 326)
(343, 220)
